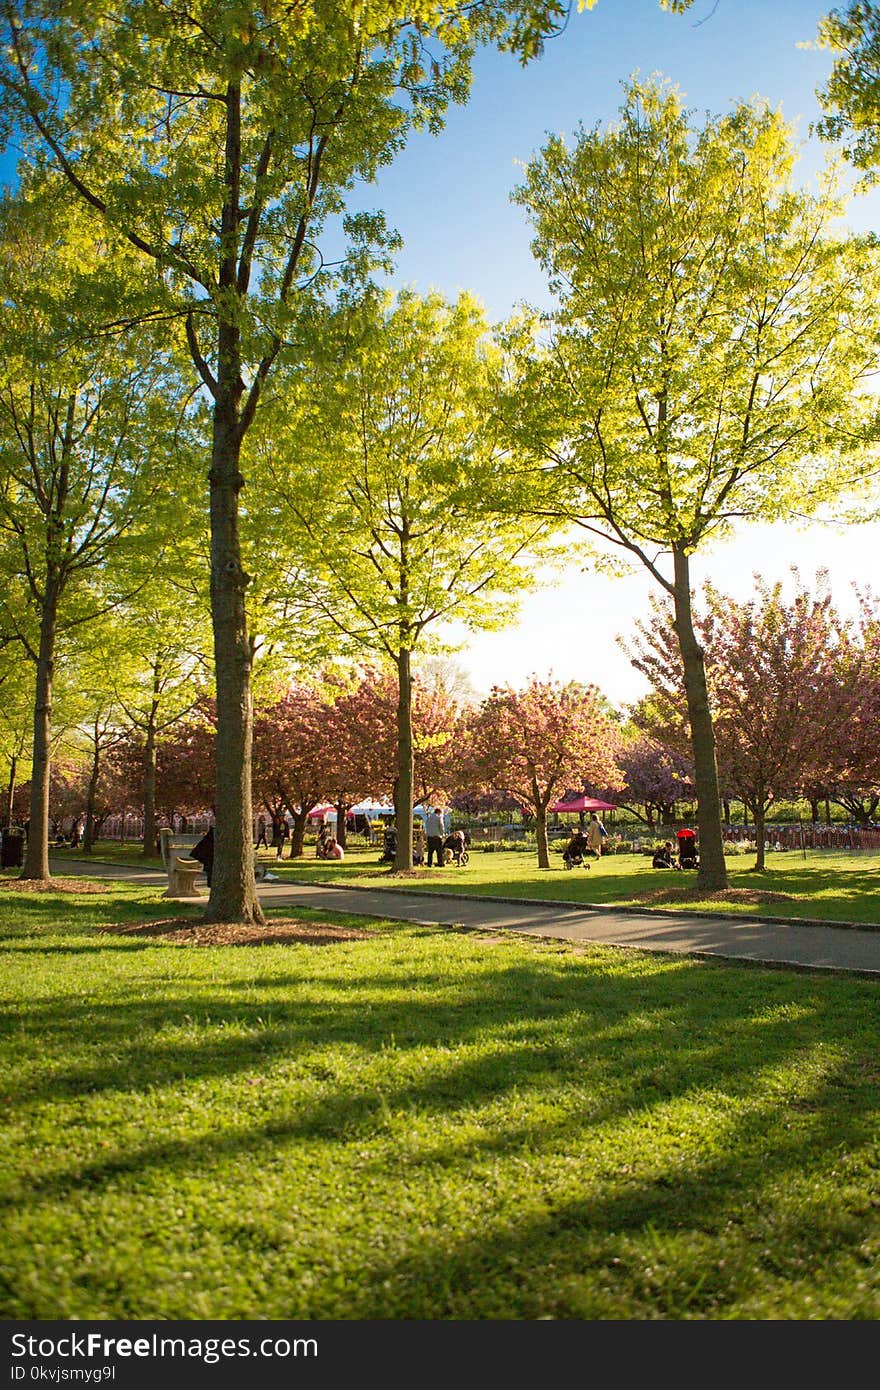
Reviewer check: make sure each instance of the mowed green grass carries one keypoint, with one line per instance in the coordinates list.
(827, 885)
(425, 1124)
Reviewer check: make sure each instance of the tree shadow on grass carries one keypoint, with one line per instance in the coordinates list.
(629, 1040)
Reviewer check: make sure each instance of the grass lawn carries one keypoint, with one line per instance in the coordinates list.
(408, 1122)
(827, 884)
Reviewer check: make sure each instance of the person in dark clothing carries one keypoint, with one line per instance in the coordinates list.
(279, 835)
(663, 857)
(204, 852)
(576, 850)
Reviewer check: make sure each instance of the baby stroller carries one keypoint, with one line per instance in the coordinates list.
(687, 849)
(455, 848)
(389, 845)
(575, 853)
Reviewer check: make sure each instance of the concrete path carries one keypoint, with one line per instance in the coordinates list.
(804, 946)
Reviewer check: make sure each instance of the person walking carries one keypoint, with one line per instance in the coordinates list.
(262, 837)
(596, 833)
(435, 830)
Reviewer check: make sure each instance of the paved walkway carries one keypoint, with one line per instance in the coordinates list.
(805, 946)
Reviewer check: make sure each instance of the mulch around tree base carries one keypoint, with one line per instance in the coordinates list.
(53, 885)
(280, 931)
(754, 897)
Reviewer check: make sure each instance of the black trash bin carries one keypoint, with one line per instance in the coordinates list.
(12, 849)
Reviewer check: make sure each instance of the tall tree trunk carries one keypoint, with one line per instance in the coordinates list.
(541, 831)
(10, 798)
(36, 859)
(403, 789)
(233, 895)
(827, 811)
(298, 832)
(712, 873)
(149, 774)
(760, 812)
(88, 838)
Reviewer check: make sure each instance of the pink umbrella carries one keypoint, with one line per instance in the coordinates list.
(582, 803)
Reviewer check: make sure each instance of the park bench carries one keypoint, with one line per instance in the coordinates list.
(181, 868)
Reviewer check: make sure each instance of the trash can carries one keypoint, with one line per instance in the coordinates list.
(12, 849)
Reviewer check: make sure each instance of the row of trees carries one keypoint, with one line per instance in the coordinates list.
(707, 359)
(794, 689)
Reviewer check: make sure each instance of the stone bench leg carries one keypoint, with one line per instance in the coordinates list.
(182, 878)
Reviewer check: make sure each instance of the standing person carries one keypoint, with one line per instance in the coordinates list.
(279, 835)
(435, 830)
(262, 838)
(596, 833)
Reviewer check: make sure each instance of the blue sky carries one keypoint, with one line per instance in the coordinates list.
(449, 197)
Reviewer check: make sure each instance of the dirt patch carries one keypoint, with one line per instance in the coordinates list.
(753, 897)
(281, 931)
(53, 885)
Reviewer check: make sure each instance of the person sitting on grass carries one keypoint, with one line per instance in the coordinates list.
(663, 857)
(333, 849)
(325, 838)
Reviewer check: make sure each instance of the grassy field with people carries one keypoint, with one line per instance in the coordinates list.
(333, 1119)
(825, 885)
(821, 885)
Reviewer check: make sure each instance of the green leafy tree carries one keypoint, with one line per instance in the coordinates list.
(707, 356)
(851, 96)
(406, 399)
(221, 144)
(85, 422)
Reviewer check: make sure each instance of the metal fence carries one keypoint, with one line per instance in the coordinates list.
(803, 836)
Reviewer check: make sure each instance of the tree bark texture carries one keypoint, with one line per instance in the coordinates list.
(36, 859)
(10, 796)
(149, 776)
(403, 790)
(88, 838)
(298, 832)
(541, 834)
(233, 888)
(760, 836)
(712, 873)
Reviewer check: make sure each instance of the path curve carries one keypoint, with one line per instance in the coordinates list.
(836, 947)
